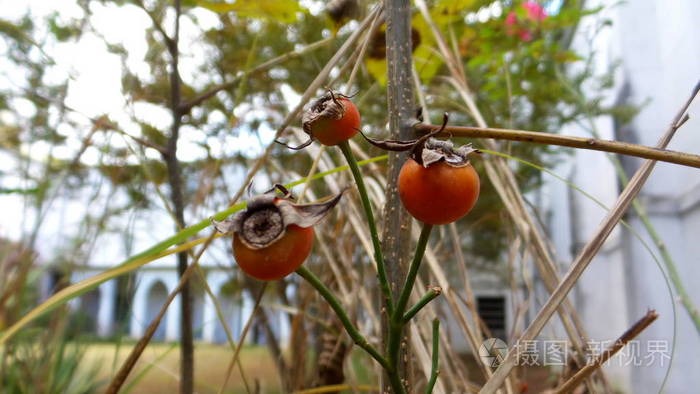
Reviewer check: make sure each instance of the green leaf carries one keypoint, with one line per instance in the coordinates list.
(283, 11)
(153, 134)
(12, 30)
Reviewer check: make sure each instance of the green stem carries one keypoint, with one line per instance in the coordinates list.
(396, 321)
(436, 353)
(412, 271)
(378, 257)
(354, 333)
(429, 296)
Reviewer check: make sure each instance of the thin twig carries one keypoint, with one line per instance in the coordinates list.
(396, 321)
(169, 42)
(432, 294)
(234, 359)
(682, 158)
(413, 269)
(138, 349)
(641, 211)
(596, 363)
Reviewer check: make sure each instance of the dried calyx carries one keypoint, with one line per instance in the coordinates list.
(326, 107)
(267, 216)
(427, 150)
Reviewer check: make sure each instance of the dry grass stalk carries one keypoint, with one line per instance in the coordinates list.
(625, 148)
(244, 334)
(140, 346)
(620, 343)
(590, 249)
(505, 184)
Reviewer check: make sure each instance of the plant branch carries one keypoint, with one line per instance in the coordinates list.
(378, 256)
(604, 356)
(169, 42)
(395, 236)
(624, 148)
(432, 294)
(354, 333)
(175, 181)
(413, 271)
(436, 353)
(188, 105)
(396, 321)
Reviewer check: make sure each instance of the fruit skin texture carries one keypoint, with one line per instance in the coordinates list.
(439, 194)
(277, 260)
(331, 132)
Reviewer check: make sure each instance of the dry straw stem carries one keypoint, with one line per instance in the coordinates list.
(244, 334)
(630, 334)
(624, 148)
(589, 251)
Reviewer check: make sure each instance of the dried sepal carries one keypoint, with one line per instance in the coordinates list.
(300, 147)
(324, 108)
(265, 219)
(427, 150)
(436, 150)
(306, 215)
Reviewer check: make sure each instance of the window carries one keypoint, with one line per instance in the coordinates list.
(492, 310)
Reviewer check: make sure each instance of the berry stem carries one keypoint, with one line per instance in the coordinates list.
(378, 256)
(396, 321)
(412, 271)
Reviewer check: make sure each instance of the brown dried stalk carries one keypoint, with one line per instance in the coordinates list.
(620, 343)
(624, 148)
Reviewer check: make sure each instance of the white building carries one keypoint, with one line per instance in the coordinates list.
(656, 43)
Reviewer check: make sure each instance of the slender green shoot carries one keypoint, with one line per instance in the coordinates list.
(354, 333)
(433, 293)
(436, 354)
(378, 256)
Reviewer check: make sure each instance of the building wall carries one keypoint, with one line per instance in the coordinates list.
(656, 43)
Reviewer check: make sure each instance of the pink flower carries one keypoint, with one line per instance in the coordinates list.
(511, 19)
(525, 35)
(535, 12)
(523, 28)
